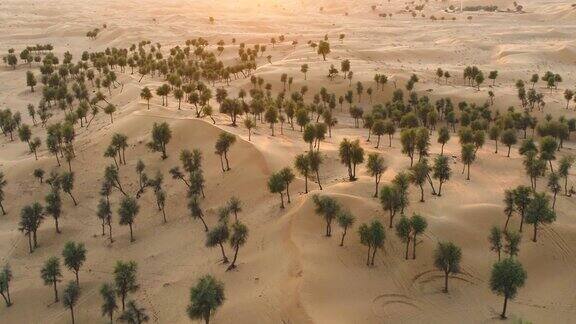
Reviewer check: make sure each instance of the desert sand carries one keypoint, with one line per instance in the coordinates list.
(288, 272)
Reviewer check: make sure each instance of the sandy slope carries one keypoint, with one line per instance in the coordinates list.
(289, 272)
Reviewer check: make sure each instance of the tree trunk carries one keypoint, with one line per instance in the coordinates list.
(72, 313)
(445, 281)
(55, 291)
(421, 193)
(373, 255)
(343, 235)
(407, 248)
(306, 183)
(318, 179)
(77, 279)
(288, 191)
(368, 258)
(503, 315)
(535, 231)
(224, 258)
(73, 199)
(131, 235)
(30, 242)
(233, 265)
(414, 247)
(281, 200)
(226, 158)
(203, 222)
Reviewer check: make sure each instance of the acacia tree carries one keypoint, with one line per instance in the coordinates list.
(495, 239)
(161, 135)
(219, 235)
(31, 217)
(403, 231)
(70, 297)
(302, 164)
(277, 185)
(447, 258)
(468, 156)
(443, 137)
(196, 210)
(5, 278)
(390, 200)
(522, 198)
(512, 243)
(3, 183)
(315, 160)
(104, 213)
(328, 208)
(345, 220)
(146, 94)
(223, 144)
(74, 257)
(376, 168)
(238, 238)
(67, 183)
(419, 225)
(54, 207)
(508, 138)
(52, 274)
(128, 211)
(125, 279)
(288, 176)
(351, 154)
(420, 173)
(564, 167)
(373, 237)
(205, 298)
(507, 276)
(109, 305)
(538, 212)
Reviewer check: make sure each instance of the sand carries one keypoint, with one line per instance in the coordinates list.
(288, 272)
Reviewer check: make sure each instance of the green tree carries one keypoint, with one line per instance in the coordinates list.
(539, 211)
(345, 220)
(548, 147)
(146, 94)
(564, 167)
(70, 297)
(238, 238)
(323, 49)
(109, 305)
(419, 225)
(351, 154)
(443, 137)
(420, 173)
(5, 278)
(205, 298)
(328, 208)
(52, 274)
(128, 211)
(522, 198)
(376, 168)
(288, 176)
(390, 199)
(218, 236)
(404, 232)
(508, 138)
(373, 236)
(468, 156)
(223, 144)
(302, 164)
(447, 258)
(495, 239)
(507, 276)
(30, 219)
(512, 243)
(161, 135)
(134, 314)
(125, 279)
(277, 185)
(196, 210)
(67, 183)
(54, 207)
(315, 160)
(74, 257)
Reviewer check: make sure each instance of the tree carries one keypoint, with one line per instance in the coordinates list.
(5, 278)
(512, 244)
(238, 238)
(419, 175)
(468, 156)
(304, 70)
(109, 305)
(443, 137)
(31, 80)
(70, 297)
(509, 206)
(67, 183)
(564, 167)
(276, 184)
(323, 49)
(160, 196)
(492, 76)
(223, 144)
(376, 168)
(538, 212)
(128, 211)
(74, 257)
(249, 124)
(548, 147)
(447, 257)
(373, 236)
(508, 138)
(328, 208)
(302, 164)
(30, 219)
(196, 210)
(522, 198)
(51, 274)
(315, 160)
(408, 140)
(288, 177)
(345, 220)
(161, 135)
(351, 154)
(3, 183)
(39, 173)
(125, 279)
(390, 200)
(495, 239)
(218, 236)
(134, 314)
(404, 231)
(205, 298)
(146, 94)
(54, 207)
(507, 276)
(110, 109)
(419, 225)
(554, 186)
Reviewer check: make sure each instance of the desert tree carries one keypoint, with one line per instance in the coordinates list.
(51, 274)
(160, 196)
(495, 239)
(351, 154)
(419, 174)
(323, 49)
(302, 164)
(419, 225)
(509, 206)
(205, 298)
(110, 109)
(161, 135)
(468, 156)
(104, 213)
(522, 198)
(443, 137)
(564, 166)
(54, 207)
(288, 176)
(249, 124)
(345, 220)
(3, 184)
(373, 236)
(125, 280)
(31, 80)
(539, 212)
(315, 160)
(277, 185)
(376, 168)
(74, 255)
(534, 166)
(39, 174)
(548, 147)
(238, 238)
(134, 314)
(492, 75)
(404, 232)
(507, 276)
(5, 278)
(67, 183)
(304, 70)
(222, 146)
(328, 208)
(390, 200)
(408, 141)
(508, 138)
(109, 305)
(512, 243)
(146, 94)
(494, 134)
(554, 186)
(70, 297)
(219, 235)
(378, 129)
(31, 216)
(196, 210)
(128, 211)
(447, 258)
